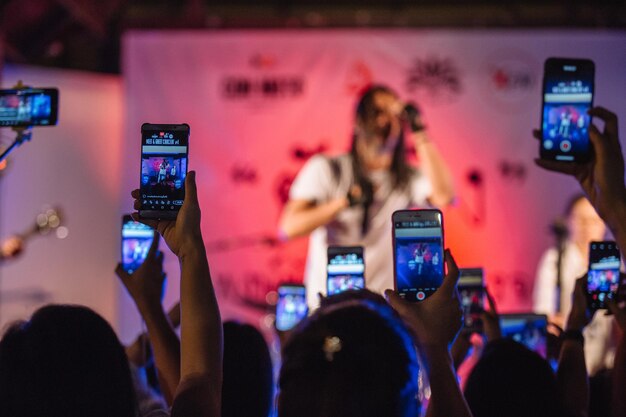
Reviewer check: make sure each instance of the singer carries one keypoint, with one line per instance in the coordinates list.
(348, 200)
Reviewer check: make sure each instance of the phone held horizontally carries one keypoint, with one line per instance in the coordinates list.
(568, 86)
(27, 107)
(418, 247)
(164, 162)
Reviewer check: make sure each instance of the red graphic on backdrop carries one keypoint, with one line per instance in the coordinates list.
(358, 78)
(263, 61)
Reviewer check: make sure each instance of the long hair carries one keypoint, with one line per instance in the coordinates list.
(400, 169)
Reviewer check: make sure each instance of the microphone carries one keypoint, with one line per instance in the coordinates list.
(411, 114)
(558, 228)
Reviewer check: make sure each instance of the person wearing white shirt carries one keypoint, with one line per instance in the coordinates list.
(348, 200)
(584, 226)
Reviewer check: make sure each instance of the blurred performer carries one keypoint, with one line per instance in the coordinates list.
(348, 200)
(583, 226)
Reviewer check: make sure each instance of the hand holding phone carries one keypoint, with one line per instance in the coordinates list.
(418, 252)
(603, 277)
(345, 269)
(164, 162)
(568, 86)
(437, 320)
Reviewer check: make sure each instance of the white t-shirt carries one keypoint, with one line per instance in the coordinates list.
(599, 343)
(317, 182)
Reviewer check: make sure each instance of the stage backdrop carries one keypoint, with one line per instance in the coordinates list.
(260, 103)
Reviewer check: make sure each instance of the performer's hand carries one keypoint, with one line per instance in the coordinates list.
(182, 234)
(602, 178)
(413, 116)
(11, 247)
(580, 315)
(145, 285)
(436, 321)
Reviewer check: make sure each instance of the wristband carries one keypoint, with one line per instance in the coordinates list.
(576, 335)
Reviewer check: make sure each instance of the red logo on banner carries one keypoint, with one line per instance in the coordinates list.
(263, 61)
(358, 78)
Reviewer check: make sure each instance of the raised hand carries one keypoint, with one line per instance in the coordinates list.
(182, 234)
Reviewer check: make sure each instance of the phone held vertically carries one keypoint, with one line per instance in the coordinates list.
(568, 87)
(291, 307)
(603, 275)
(164, 162)
(471, 292)
(345, 269)
(136, 241)
(418, 248)
(29, 107)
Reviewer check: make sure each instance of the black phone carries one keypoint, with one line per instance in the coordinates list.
(291, 307)
(345, 269)
(29, 107)
(472, 294)
(603, 275)
(568, 86)
(136, 241)
(164, 161)
(528, 329)
(418, 247)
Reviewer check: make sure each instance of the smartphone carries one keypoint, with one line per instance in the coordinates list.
(29, 107)
(472, 293)
(528, 329)
(164, 160)
(418, 252)
(568, 86)
(345, 269)
(291, 307)
(136, 241)
(603, 275)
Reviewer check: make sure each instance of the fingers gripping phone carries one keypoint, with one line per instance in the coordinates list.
(345, 269)
(472, 294)
(29, 107)
(164, 161)
(568, 86)
(418, 252)
(136, 242)
(291, 307)
(603, 275)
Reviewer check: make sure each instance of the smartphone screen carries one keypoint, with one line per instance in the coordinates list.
(418, 252)
(164, 154)
(345, 269)
(603, 274)
(136, 241)
(291, 307)
(568, 86)
(527, 329)
(472, 297)
(29, 107)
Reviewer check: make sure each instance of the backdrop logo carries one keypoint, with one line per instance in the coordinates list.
(264, 81)
(358, 78)
(509, 78)
(435, 80)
